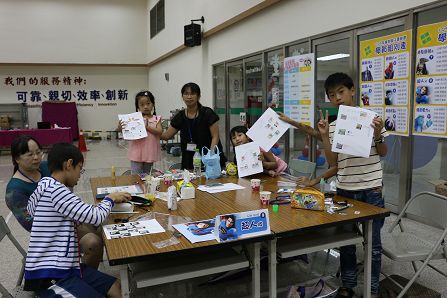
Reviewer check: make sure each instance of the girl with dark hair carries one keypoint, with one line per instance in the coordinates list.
(144, 152)
(198, 126)
(26, 155)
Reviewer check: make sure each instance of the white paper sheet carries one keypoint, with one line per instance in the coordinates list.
(134, 228)
(220, 188)
(267, 129)
(353, 133)
(197, 231)
(132, 189)
(134, 127)
(247, 158)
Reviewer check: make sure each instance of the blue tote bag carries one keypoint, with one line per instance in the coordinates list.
(211, 162)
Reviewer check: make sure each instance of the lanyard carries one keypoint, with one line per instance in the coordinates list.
(191, 124)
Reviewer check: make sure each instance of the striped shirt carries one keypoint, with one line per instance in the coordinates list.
(53, 250)
(358, 173)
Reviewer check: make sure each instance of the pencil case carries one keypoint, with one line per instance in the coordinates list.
(307, 198)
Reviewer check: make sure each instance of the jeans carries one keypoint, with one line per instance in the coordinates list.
(348, 260)
(137, 167)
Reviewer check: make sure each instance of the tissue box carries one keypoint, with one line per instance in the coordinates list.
(186, 190)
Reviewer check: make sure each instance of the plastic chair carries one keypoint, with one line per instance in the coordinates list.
(18, 290)
(298, 166)
(127, 173)
(403, 246)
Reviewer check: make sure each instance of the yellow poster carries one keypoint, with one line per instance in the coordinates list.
(384, 79)
(431, 81)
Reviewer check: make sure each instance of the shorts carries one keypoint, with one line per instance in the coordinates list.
(92, 284)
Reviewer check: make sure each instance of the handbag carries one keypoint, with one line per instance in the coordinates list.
(212, 163)
(307, 198)
(318, 290)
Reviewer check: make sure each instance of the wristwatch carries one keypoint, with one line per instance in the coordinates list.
(379, 140)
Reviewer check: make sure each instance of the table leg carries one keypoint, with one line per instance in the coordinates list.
(367, 247)
(256, 270)
(124, 276)
(272, 268)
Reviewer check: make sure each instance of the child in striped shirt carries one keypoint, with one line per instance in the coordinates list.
(53, 259)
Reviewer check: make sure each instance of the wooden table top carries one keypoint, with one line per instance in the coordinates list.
(132, 249)
(289, 220)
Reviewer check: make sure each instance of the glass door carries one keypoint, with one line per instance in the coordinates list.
(254, 91)
(236, 104)
(220, 104)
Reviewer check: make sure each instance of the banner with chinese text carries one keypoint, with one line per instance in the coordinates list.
(430, 100)
(384, 79)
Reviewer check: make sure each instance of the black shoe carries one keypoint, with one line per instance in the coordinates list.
(344, 292)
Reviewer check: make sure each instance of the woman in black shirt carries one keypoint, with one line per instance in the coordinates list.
(198, 126)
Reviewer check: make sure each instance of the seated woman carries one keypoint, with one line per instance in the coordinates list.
(29, 168)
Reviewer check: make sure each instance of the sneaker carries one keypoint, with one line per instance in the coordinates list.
(344, 292)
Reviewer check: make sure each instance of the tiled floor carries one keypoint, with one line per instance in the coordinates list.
(99, 159)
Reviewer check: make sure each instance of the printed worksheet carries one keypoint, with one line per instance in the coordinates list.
(197, 231)
(267, 130)
(133, 128)
(247, 158)
(353, 133)
(133, 228)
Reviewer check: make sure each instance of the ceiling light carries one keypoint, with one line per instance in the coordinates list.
(333, 57)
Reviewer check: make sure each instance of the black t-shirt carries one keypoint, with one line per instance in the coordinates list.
(199, 130)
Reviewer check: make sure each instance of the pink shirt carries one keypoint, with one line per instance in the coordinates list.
(281, 165)
(148, 148)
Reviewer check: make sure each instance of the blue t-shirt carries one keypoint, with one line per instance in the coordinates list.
(18, 193)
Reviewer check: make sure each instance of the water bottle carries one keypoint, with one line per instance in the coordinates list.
(322, 185)
(197, 163)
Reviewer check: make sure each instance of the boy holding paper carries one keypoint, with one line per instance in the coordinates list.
(357, 177)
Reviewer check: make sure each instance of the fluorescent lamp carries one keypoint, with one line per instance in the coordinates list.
(333, 57)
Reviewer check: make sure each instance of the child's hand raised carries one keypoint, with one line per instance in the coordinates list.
(119, 197)
(377, 124)
(121, 125)
(323, 124)
(284, 118)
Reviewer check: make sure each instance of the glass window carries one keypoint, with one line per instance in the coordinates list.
(235, 89)
(220, 102)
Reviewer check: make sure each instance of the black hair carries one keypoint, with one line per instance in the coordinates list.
(388, 91)
(195, 89)
(338, 79)
(147, 94)
(61, 153)
(20, 146)
(232, 217)
(234, 131)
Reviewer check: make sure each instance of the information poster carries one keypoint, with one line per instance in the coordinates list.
(384, 79)
(430, 100)
(299, 91)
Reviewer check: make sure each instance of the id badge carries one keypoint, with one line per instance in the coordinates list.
(191, 147)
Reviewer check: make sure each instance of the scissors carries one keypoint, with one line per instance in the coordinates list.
(280, 200)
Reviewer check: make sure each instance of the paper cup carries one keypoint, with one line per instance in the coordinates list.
(167, 179)
(255, 184)
(265, 197)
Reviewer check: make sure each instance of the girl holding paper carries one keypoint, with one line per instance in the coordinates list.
(144, 152)
(272, 164)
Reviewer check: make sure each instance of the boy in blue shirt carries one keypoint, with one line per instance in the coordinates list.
(53, 260)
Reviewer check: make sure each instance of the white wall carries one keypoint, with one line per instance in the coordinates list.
(73, 31)
(281, 23)
(92, 114)
(179, 13)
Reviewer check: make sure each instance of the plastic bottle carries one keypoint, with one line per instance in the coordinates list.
(197, 163)
(322, 184)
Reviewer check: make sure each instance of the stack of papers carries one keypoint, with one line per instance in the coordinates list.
(220, 188)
